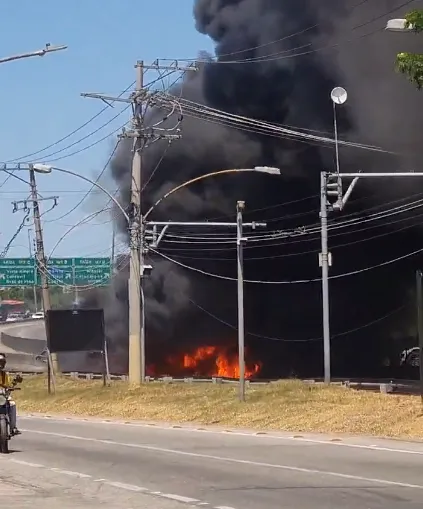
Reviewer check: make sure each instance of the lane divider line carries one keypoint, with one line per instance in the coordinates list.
(193, 502)
(225, 459)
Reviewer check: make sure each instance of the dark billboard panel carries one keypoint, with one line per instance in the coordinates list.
(75, 330)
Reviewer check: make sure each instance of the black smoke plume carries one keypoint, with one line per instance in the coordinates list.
(318, 45)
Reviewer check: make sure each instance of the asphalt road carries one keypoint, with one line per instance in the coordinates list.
(31, 329)
(81, 463)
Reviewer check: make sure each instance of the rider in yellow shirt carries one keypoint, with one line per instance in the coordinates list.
(8, 381)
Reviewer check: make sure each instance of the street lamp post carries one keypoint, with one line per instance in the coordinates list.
(46, 168)
(38, 53)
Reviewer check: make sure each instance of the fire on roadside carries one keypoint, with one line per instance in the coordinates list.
(206, 361)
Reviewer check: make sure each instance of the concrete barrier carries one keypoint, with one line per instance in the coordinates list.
(24, 345)
(26, 363)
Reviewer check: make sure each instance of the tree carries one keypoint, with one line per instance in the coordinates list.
(411, 64)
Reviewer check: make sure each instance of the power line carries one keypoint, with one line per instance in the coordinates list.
(3, 254)
(31, 154)
(92, 186)
(279, 55)
(298, 281)
(307, 340)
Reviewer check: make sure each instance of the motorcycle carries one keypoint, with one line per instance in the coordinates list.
(5, 434)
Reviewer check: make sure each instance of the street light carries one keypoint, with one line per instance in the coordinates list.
(46, 169)
(399, 25)
(257, 169)
(38, 53)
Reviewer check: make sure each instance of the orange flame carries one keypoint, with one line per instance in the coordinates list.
(217, 361)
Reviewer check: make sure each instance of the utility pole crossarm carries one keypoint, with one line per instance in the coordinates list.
(205, 223)
(157, 66)
(381, 174)
(107, 98)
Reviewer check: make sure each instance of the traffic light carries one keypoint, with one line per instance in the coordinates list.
(334, 188)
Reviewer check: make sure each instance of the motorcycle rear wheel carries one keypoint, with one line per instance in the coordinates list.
(4, 436)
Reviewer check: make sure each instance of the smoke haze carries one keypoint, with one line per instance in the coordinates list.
(338, 45)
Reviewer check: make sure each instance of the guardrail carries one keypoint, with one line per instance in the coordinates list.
(23, 345)
(403, 387)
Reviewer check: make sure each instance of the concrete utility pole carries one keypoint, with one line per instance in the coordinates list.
(41, 258)
(136, 264)
(39, 247)
(34, 288)
(154, 238)
(240, 240)
(138, 270)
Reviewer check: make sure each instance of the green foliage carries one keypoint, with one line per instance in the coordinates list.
(411, 64)
(414, 20)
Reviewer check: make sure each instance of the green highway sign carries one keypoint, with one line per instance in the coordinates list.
(61, 271)
(17, 276)
(92, 276)
(58, 276)
(17, 262)
(90, 262)
(60, 262)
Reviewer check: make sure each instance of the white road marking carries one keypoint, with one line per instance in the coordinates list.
(70, 472)
(179, 498)
(28, 464)
(114, 484)
(124, 486)
(262, 435)
(225, 459)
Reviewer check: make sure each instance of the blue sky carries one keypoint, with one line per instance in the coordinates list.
(40, 100)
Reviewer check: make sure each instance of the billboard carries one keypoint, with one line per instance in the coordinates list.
(75, 330)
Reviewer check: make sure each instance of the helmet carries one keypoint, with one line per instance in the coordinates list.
(2, 361)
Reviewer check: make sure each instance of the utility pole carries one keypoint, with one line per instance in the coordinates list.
(325, 262)
(34, 288)
(137, 267)
(419, 292)
(240, 292)
(41, 258)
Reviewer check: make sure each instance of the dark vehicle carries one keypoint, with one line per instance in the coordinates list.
(5, 434)
(411, 357)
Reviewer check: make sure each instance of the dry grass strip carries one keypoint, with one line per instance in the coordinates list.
(285, 406)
